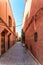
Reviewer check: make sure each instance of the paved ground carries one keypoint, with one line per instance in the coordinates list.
(17, 55)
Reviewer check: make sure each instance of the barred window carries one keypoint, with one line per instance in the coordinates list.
(35, 36)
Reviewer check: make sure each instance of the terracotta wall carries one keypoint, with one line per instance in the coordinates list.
(34, 23)
(10, 32)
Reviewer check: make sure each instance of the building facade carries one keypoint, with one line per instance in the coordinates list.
(7, 26)
(33, 27)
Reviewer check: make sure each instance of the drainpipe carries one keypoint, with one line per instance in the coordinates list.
(34, 24)
(35, 33)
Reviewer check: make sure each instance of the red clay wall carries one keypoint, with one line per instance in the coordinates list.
(5, 12)
(35, 47)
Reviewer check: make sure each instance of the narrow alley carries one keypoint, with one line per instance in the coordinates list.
(17, 55)
(21, 32)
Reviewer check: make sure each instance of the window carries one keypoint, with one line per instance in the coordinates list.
(35, 36)
(10, 22)
(13, 28)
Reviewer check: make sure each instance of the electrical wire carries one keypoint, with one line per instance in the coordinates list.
(19, 25)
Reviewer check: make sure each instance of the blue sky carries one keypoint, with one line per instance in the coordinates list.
(18, 9)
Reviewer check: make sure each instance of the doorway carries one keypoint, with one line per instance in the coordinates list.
(2, 42)
(9, 41)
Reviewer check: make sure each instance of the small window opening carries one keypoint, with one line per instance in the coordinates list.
(35, 36)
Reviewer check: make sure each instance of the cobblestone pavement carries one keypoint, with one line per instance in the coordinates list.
(17, 55)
